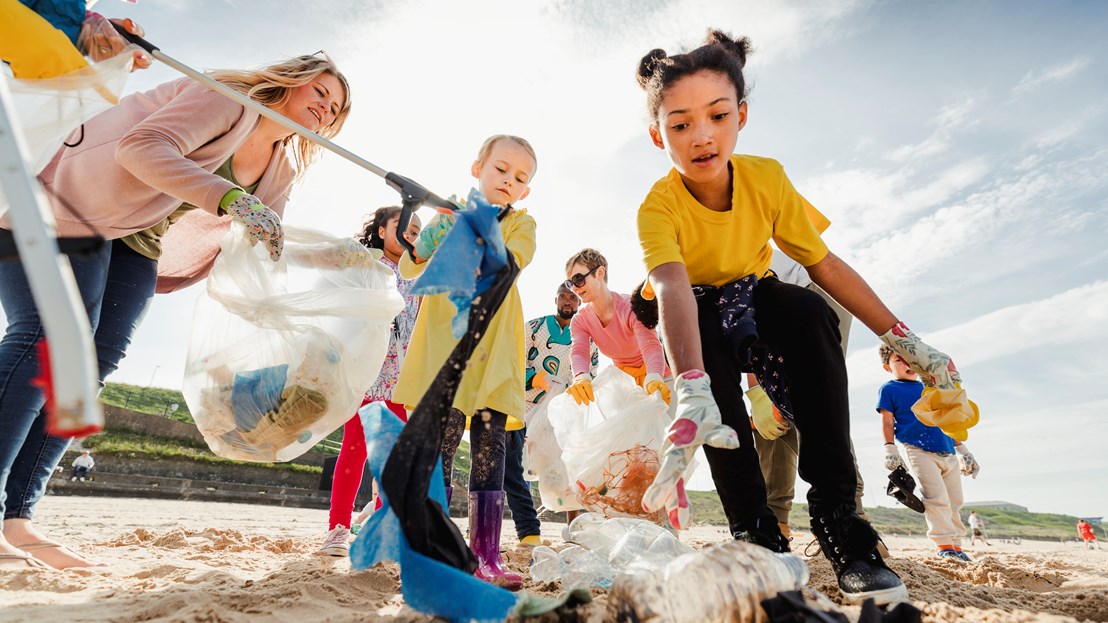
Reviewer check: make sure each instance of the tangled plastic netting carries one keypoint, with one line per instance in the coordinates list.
(626, 477)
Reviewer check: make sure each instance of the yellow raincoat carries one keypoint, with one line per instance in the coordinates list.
(493, 379)
(33, 46)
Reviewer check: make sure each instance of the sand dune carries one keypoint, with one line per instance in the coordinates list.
(201, 561)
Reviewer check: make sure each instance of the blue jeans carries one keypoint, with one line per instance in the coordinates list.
(519, 490)
(110, 282)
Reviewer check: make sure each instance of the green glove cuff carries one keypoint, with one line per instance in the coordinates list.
(231, 195)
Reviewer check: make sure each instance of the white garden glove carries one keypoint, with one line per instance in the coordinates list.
(697, 422)
(766, 418)
(944, 403)
(969, 465)
(892, 457)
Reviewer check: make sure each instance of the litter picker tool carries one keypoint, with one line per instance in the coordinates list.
(412, 194)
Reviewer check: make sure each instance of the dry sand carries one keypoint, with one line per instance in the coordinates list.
(202, 561)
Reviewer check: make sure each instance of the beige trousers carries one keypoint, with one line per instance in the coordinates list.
(940, 484)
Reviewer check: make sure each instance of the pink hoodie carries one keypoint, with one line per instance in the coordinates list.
(137, 162)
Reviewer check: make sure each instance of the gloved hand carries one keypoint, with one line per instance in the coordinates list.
(654, 383)
(944, 403)
(697, 422)
(541, 380)
(262, 224)
(969, 465)
(581, 389)
(892, 457)
(766, 418)
(433, 235)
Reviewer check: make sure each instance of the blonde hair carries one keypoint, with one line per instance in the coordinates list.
(490, 142)
(590, 258)
(272, 85)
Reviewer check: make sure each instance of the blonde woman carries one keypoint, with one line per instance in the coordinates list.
(179, 151)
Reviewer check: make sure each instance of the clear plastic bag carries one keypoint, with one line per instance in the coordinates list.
(610, 447)
(282, 352)
(542, 459)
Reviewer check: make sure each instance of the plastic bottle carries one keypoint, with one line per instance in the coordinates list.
(725, 583)
(573, 566)
(546, 565)
(625, 541)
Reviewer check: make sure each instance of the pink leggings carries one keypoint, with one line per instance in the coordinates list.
(349, 467)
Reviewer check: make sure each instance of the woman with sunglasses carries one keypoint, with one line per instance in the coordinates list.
(178, 151)
(607, 321)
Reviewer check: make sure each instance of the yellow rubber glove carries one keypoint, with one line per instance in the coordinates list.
(540, 380)
(581, 389)
(654, 383)
(766, 418)
(33, 46)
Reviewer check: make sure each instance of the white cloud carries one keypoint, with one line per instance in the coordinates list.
(1035, 79)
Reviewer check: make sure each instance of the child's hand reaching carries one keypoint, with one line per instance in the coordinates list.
(433, 235)
(697, 422)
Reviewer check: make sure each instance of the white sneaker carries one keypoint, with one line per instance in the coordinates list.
(73, 479)
(335, 544)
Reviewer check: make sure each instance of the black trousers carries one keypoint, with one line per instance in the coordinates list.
(798, 325)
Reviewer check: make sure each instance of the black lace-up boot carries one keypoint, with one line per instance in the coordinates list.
(765, 533)
(850, 543)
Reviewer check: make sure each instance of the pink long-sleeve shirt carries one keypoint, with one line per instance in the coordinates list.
(626, 341)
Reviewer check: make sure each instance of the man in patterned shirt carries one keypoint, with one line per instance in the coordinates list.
(547, 344)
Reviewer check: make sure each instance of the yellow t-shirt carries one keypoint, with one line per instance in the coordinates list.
(493, 378)
(720, 247)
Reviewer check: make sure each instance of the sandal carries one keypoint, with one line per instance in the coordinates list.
(50, 544)
(27, 559)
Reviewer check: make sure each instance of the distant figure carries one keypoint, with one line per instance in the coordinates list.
(82, 465)
(975, 524)
(1085, 530)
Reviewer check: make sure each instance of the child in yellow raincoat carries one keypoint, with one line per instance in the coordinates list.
(491, 390)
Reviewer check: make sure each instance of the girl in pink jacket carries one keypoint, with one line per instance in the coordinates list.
(179, 151)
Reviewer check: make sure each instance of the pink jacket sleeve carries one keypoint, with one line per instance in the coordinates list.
(650, 347)
(579, 356)
(154, 150)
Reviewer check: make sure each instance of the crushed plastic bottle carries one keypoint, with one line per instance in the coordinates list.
(725, 583)
(625, 541)
(573, 566)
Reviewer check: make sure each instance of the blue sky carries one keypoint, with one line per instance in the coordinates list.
(958, 148)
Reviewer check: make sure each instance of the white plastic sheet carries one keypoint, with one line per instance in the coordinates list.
(282, 352)
(609, 446)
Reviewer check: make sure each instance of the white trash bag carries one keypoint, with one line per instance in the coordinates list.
(542, 457)
(282, 352)
(610, 447)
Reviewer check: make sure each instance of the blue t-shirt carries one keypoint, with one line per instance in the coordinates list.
(898, 397)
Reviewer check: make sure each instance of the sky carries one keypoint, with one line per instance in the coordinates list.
(957, 147)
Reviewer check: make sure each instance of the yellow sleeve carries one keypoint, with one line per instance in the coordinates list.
(794, 229)
(408, 267)
(33, 46)
(657, 235)
(520, 238)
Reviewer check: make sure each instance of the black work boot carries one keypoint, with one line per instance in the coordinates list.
(850, 543)
(764, 533)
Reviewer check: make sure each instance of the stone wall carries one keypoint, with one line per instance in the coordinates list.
(198, 470)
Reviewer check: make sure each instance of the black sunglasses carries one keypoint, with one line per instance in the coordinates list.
(578, 280)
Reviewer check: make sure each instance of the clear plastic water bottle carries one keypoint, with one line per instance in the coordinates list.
(546, 565)
(725, 584)
(584, 568)
(624, 541)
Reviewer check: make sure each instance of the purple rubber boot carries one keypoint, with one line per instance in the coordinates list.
(486, 513)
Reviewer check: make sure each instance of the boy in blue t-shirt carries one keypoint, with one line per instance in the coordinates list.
(937, 460)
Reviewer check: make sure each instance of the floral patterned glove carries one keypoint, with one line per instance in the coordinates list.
(970, 466)
(697, 422)
(262, 224)
(433, 235)
(944, 403)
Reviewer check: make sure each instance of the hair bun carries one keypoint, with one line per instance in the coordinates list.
(738, 48)
(649, 64)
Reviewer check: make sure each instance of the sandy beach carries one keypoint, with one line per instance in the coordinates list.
(202, 561)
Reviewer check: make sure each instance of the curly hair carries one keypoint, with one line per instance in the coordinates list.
(370, 235)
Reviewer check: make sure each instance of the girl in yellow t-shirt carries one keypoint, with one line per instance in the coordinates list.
(491, 393)
(705, 230)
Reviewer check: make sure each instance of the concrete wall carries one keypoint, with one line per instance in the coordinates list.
(198, 470)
